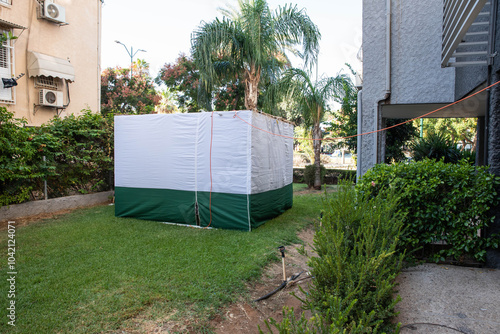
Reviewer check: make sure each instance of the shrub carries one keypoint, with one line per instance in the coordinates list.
(445, 202)
(309, 174)
(332, 176)
(355, 267)
(78, 152)
(435, 146)
(16, 152)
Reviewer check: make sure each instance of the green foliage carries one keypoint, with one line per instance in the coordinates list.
(16, 154)
(397, 138)
(461, 130)
(182, 77)
(122, 94)
(78, 152)
(309, 174)
(435, 146)
(355, 267)
(331, 176)
(249, 43)
(346, 120)
(318, 324)
(445, 202)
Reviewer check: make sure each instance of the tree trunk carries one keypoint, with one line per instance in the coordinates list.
(252, 79)
(317, 156)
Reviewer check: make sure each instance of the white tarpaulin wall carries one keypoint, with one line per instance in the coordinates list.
(188, 169)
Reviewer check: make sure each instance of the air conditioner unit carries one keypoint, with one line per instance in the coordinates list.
(51, 98)
(53, 12)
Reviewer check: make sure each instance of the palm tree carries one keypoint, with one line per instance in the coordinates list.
(250, 45)
(311, 101)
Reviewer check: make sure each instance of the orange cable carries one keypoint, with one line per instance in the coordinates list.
(375, 131)
(210, 163)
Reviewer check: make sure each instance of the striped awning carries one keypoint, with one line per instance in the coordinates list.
(11, 24)
(40, 64)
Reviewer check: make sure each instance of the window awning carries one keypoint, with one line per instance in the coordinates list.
(10, 24)
(40, 64)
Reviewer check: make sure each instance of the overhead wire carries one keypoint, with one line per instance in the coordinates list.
(326, 139)
(370, 132)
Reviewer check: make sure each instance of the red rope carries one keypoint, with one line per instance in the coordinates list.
(210, 163)
(375, 131)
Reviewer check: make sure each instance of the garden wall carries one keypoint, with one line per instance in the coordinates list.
(33, 208)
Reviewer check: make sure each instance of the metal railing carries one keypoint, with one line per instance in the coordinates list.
(466, 25)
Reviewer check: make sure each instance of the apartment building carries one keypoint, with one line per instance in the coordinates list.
(56, 44)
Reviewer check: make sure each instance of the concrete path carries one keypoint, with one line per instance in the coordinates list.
(449, 299)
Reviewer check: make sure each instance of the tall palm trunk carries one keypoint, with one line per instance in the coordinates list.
(252, 79)
(317, 155)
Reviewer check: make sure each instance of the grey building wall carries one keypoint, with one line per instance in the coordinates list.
(416, 73)
(417, 76)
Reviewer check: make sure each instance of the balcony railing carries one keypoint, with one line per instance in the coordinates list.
(466, 31)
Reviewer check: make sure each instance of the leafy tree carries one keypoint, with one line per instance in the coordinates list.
(249, 45)
(182, 78)
(168, 102)
(396, 138)
(230, 96)
(311, 99)
(125, 95)
(462, 130)
(346, 120)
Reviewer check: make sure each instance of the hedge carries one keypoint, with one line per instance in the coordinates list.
(78, 153)
(447, 204)
(331, 176)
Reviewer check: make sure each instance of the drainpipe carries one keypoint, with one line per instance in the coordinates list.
(359, 142)
(387, 94)
(491, 55)
(99, 37)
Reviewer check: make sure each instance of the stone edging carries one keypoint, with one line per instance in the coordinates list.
(16, 211)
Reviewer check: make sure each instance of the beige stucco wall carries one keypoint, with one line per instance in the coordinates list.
(79, 42)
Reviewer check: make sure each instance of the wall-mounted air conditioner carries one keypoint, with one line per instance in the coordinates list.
(51, 98)
(53, 12)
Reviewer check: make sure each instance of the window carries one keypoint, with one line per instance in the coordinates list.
(6, 2)
(6, 69)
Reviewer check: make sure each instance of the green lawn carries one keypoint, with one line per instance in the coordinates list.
(90, 272)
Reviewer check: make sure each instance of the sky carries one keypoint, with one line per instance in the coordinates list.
(163, 29)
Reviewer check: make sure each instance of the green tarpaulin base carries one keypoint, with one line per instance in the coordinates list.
(229, 211)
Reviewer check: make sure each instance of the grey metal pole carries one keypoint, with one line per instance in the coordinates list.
(45, 181)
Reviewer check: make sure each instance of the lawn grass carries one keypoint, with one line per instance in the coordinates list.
(91, 272)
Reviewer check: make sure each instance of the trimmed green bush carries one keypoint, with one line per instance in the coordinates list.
(331, 176)
(354, 272)
(78, 152)
(16, 154)
(309, 174)
(445, 202)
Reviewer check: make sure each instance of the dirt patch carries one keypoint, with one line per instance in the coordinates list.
(246, 316)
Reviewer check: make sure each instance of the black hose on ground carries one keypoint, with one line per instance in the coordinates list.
(281, 287)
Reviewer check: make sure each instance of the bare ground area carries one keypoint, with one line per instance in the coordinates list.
(246, 316)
